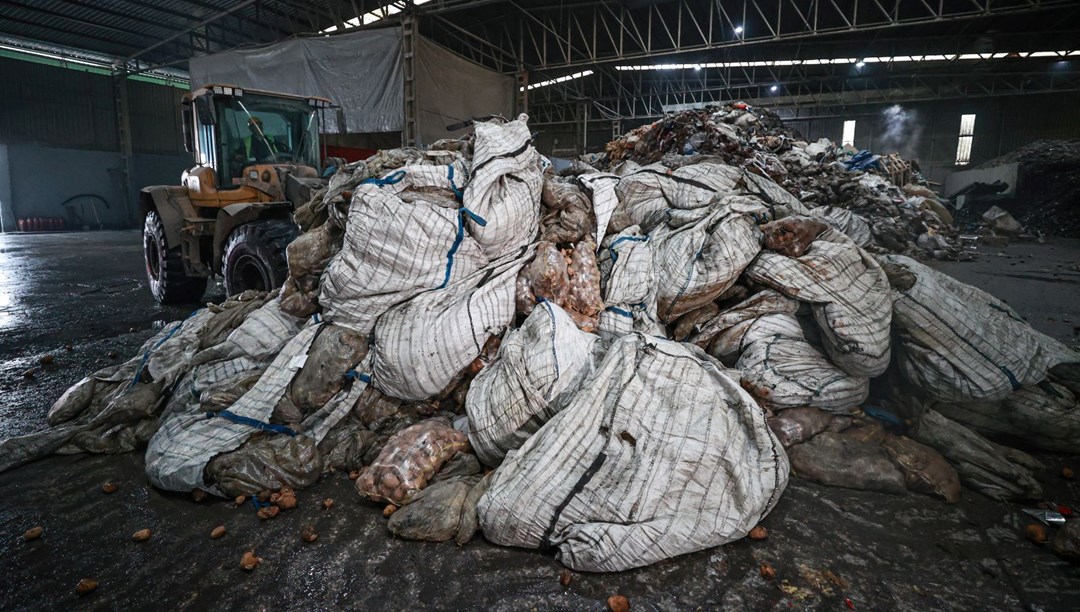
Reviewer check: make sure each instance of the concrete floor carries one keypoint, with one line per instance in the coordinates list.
(87, 291)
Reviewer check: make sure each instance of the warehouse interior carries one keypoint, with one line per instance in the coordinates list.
(559, 304)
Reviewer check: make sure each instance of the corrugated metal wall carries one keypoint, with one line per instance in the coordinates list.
(58, 107)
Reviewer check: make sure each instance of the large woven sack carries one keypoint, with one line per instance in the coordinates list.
(660, 453)
(628, 282)
(780, 366)
(405, 235)
(695, 263)
(848, 293)
(422, 345)
(504, 190)
(178, 454)
(1045, 416)
(518, 392)
(958, 343)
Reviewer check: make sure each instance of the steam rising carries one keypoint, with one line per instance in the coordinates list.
(901, 134)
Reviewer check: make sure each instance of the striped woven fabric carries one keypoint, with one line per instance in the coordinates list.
(504, 189)
(538, 362)
(401, 239)
(423, 344)
(780, 366)
(959, 343)
(660, 453)
(696, 263)
(848, 293)
(628, 281)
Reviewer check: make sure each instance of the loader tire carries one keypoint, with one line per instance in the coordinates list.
(165, 266)
(255, 255)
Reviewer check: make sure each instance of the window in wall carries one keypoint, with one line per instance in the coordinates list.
(967, 133)
(849, 133)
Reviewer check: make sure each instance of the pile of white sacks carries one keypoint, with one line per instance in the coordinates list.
(631, 354)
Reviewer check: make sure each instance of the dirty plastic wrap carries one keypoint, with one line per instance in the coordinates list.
(177, 455)
(519, 391)
(660, 453)
(334, 351)
(445, 510)
(925, 470)
(839, 460)
(308, 257)
(848, 293)
(409, 460)
(544, 279)
(583, 297)
(791, 236)
(266, 462)
(996, 471)
(569, 216)
(797, 425)
(958, 343)
(1046, 416)
(111, 413)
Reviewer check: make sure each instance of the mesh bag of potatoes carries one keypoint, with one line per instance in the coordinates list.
(409, 460)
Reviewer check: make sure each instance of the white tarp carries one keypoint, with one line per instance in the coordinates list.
(360, 71)
(451, 90)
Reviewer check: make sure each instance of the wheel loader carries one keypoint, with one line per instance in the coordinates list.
(257, 157)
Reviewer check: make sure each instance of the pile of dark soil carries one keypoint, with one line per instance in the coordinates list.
(1048, 193)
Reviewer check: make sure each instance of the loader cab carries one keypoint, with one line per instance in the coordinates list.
(230, 130)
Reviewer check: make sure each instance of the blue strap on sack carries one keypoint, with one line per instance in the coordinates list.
(354, 375)
(453, 187)
(146, 355)
(458, 240)
(390, 179)
(250, 422)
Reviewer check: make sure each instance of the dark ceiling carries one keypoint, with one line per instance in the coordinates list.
(548, 39)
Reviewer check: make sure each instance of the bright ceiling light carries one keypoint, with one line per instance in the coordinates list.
(860, 64)
(738, 30)
(774, 88)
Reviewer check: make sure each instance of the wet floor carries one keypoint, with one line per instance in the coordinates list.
(78, 297)
(827, 545)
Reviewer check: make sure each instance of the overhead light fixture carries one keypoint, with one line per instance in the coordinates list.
(738, 30)
(774, 88)
(562, 79)
(697, 67)
(858, 62)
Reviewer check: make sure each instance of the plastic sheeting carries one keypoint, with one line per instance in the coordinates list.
(450, 90)
(361, 72)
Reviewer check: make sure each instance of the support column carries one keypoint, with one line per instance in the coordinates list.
(408, 49)
(522, 92)
(123, 128)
